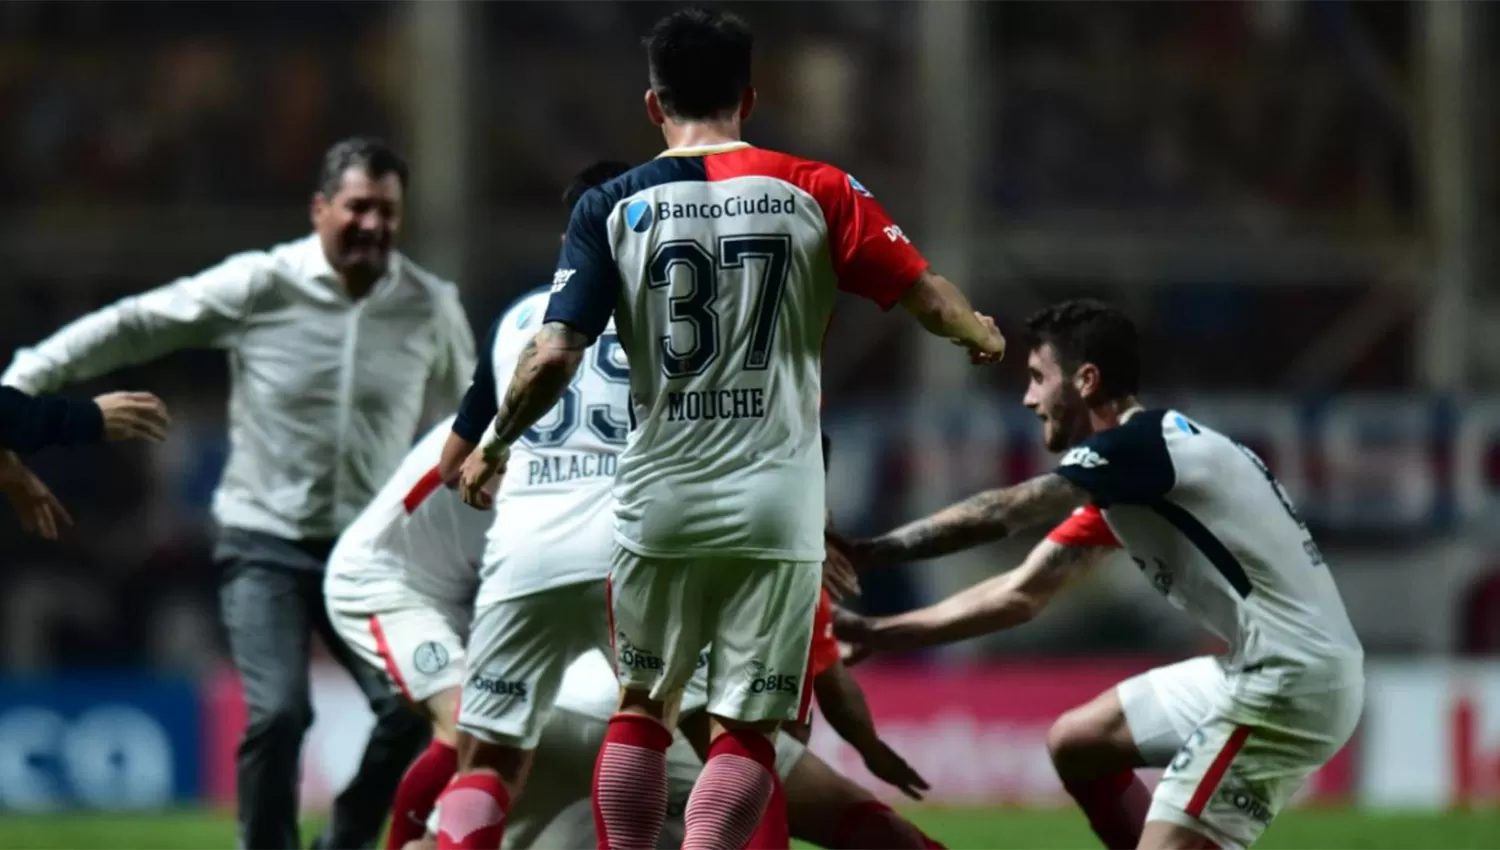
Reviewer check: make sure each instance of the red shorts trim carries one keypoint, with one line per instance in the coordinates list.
(1215, 775)
(384, 648)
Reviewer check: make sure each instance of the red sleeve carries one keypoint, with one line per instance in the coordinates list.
(871, 256)
(1086, 527)
(825, 649)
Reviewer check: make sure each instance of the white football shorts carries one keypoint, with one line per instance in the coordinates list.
(519, 649)
(419, 644)
(1235, 749)
(755, 617)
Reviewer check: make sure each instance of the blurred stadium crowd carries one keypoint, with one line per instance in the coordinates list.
(1263, 162)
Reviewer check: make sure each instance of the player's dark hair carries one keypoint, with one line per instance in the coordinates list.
(1083, 330)
(372, 154)
(597, 174)
(700, 62)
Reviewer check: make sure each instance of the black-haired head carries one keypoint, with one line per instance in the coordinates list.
(700, 64)
(1084, 353)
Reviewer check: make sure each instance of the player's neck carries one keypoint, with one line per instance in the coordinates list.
(1112, 414)
(701, 134)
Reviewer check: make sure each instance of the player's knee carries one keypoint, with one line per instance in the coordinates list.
(633, 701)
(1082, 742)
(442, 709)
(729, 724)
(511, 763)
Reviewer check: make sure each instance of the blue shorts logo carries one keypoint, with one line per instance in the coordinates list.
(638, 216)
(859, 187)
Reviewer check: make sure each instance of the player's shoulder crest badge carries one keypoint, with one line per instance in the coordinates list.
(858, 186)
(430, 657)
(638, 215)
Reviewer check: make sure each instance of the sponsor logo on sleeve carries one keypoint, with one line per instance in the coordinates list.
(893, 233)
(858, 186)
(1085, 457)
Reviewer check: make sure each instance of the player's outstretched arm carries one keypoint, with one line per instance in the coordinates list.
(983, 518)
(843, 704)
(993, 605)
(943, 310)
(543, 371)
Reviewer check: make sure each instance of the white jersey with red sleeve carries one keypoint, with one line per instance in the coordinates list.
(1217, 535)
(721, 266)
(415, 535)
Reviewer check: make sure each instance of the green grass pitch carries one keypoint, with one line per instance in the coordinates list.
(1021, 829)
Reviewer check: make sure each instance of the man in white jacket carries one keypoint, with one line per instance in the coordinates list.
(332, 341)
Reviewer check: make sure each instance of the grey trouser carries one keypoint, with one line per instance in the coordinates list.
(271, 599)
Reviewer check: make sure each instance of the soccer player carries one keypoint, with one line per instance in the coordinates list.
(541, 597)
(825, 807)
(29, 423)
(400, 593)
(720, 263)
(1214, 532)
(331, 339)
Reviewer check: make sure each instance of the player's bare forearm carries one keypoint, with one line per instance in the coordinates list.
(843, 704)
(983, 518)
(993, 605)
(943, 310)
(451, 462)
(543, 372)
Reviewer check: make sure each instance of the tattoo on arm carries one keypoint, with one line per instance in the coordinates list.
(1058, 565)
(982, 518)
(995, 604)
(543, 371)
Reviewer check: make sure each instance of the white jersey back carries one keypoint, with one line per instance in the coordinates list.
(553, 521)
(1215, 532)
(721, 266)
(415, 535)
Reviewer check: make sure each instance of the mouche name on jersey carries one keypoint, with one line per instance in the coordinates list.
(730, 207)
(572, 466)
(709, 405)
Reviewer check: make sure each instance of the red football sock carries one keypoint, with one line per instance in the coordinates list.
(773, 832)
(873, 824)
(418, 793)
(472, 813)
(1116, 807)
(733, 793)
(630, 783)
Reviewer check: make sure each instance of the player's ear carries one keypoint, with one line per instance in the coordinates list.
(747, 103)
(1086, 380)
(654, 111)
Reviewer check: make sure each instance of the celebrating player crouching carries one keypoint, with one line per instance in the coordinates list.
(720, 263)
(400, 592)
(1214, 532)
